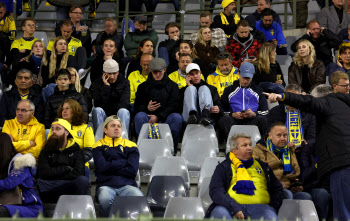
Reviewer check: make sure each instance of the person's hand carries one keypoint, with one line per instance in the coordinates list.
(239, 215)
(11, 138)
(177, 55)
(215, 110)
(322, 28)
(305, 142)
(274, 41)
(248, 114)
(297, 189)
(290, 144)
(284, 185)
(106, 57)
(339, 64)
(279, 82)
(153, 105)
(237, 115)
(152, 119)
(23, 51)
(308, 32)
(208, 54)
(175, 38)
(81, 28)
(32, 143)
(22, 59)
(188, 81)
(105, 78)
(5, 65)
(273, 97)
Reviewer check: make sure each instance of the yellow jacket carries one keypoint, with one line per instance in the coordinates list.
(135, 79)
(24, 133)
(22, 44)
(110, 142)
(179, 80)
(8, 25)
(73, 45)
(221, 81)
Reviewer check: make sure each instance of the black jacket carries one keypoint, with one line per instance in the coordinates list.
(97, 67)
(260, 76)
(165, 92)
(54, 101)
(9, 101)
(112, 98)
(67, 164)
(323, 45)
(333, 129)
(102, 36)
(172, 46)
(228, 29)
(256, 16)
(220, 182)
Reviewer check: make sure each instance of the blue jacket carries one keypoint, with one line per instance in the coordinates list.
(274, 32)
(220, 182)
(116, 161)
(22, 176)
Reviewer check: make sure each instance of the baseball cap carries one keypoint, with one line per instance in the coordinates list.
(110, 66)
(140, 18)
(192, 66)
(247, 70)
(109, 119)
(157, 64)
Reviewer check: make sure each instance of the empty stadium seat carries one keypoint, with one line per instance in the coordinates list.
(218, 10)
(290, 40)
(203, 193)
(99, 132)
(279, 9)
(303, 210)
(247, 9)
(284, 59)
(160, 21)
(164, 133)
(313, 10)
(46, 15)
(284, 69)
(138, 179)
(93, 36)
(170, 166)
(129, 207)
(185, 208)
(75, 207)
(41, 35)
(195, 151)
(191, 21)
(208, 168)
(104, 10)
(251, 130)
(200, 132)
(150, 149)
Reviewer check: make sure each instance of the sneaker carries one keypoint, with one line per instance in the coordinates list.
(192, 119)
(204, 121)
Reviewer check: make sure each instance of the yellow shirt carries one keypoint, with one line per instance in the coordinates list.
(8, 26)
(73, 45)
(135, 79)
(22, 44)
(221, 81)
(179, 80)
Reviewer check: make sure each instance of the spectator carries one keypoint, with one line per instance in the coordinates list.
(340, 82)
(199, 99)
(334, 18)
(344, 35)
(109, 51)
(245, 102)
(80, 30)
(17, 169)
(272, 30)
(305, 70)
(256, 16)
(343, 62)
(7, 24)
(217, 34)
(186, 47)
(243, 47)
(225, 73)
(228, 18)
(110, 32)
(205, 50)
(107, 151)
(132, 39)
(167, 49)
(146, 46)
(157, 100)
(137, 77)
(22, 90)
(268, 74)
(322, 39)
(26, 133)
(61, 165)
(111, 95)
(64, 90)
(243, 196)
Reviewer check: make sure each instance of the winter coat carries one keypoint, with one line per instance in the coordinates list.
(97, 67)
(202, 51)
(261, 76)
(256, 16)
(133, 39)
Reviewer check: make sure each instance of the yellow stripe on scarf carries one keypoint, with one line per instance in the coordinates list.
(153, 131)
(225, 22)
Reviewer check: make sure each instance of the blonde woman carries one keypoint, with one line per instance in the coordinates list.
(305, 70)
(268, 74)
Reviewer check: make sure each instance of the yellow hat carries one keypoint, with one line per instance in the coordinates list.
(64, 124)
(225, 3)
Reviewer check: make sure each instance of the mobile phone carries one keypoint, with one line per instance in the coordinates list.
(191, 82)
(155, 99)
(243, 111)
(251, 57)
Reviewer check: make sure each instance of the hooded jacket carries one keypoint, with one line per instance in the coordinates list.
(116, 161)
(133, 39)
(221, 81)
(20, 174)
(165, 92)
(24, 133)
(273, 32)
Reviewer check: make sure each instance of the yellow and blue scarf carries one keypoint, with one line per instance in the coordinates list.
(225, 22)
(244, 184)
(285, 154)
(153, 131)
(295, 126)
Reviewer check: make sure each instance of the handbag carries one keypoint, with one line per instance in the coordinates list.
(11, 197)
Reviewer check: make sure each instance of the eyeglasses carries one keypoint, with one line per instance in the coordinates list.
(67, 108)
(22, 110)
(77, 13)
(109, 26)
(223, 55)
(344, 86)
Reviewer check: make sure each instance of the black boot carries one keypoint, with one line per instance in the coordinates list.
(192, 119)
(205, 117)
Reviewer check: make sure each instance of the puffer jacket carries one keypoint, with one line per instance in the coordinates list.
(222, 81)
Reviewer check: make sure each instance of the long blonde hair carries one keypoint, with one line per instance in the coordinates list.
(200, 40)
(77, 79)
(311, 57)
(44, 59)
(263, 62)
(53, 58)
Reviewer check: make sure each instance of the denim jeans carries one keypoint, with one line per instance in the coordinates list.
(340, 191)
(296, 196)
(99, 116)
(321, 198)
(254, 211)
(191, 97)
(106, 195)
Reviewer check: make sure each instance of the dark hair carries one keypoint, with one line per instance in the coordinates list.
(7, 152)
(24, 21)
(78, 113)
(67, 23)
(2, 5)
(243, 23)
(62, 72)
(343, 49)
(310, 22)
(205, 14)
(75, 7)
(142, 43)
(293, 87)
(116, 53)
(184, 55)
(224, 55)
(277, 124)
(266, 12)
(171, 25)
(187, 42)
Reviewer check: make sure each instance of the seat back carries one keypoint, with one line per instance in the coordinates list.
(203, 193)
(200, 132)
(303, 210)
(251, 130)
(195, 151)
(208, 168)
(159, 21)
(99, 132)
(129, 207)
(191, 21)
(185, 208)
(150, 149)
(41, 35)
(75, 207)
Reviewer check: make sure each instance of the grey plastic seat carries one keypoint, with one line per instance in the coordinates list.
(104, 10)
(208, 168)
(249, 10)
(218, 10)
(195, 151)
(313, 10)
(271, 105)
(279, 9)
(151, 148)
(161, 37)
(203, 193)
(184, 208)
(170, 166)
(75, 207)
(41, 35)
(290, 40)
(200, 132)
(251, 130)
(284, 59)
(284, 69)
(303, 210)
(99, 132)
(191, 20)
(138, 179)
(164, 133)
(46, 15)
(159, 21)
(129, 207)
